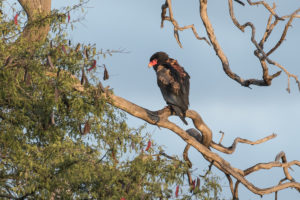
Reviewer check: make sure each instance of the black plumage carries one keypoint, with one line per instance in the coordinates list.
(173, 81)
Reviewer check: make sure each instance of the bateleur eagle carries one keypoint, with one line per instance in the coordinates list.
(173, 81)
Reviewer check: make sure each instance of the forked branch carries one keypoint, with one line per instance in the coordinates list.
(221, 55)
(168, 5)
(259, 52)
(262, 56)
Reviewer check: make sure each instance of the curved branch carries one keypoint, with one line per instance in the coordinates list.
(271, 10)
(281, 155)
(231, 149)
(287, 26)
(186, 158)
(221, 54)
(269, 28)
(267, 79)
(270, 165)
(230, 183)
(260, 54)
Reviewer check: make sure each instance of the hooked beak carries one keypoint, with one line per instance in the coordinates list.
(152, 63)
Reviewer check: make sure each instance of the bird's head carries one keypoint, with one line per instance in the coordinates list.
(158, 58)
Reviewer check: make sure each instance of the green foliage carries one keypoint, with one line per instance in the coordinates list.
(59, 143)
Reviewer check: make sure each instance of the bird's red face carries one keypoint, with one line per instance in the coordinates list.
(152, 63)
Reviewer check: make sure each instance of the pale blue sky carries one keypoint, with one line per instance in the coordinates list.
(223, 104)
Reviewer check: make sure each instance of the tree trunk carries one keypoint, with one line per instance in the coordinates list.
(36, 29)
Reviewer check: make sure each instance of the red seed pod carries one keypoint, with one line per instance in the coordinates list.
(69, 17)
(93, 65)
(177, 190)
(16, 19)
(193, 184)
(148, 146)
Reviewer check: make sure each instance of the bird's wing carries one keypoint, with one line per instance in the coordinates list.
(183, 79)
(170, 89)
(185, 90)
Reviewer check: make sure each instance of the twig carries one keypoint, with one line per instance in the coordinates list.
(271, 10)
(230, 183)
(222, 133)
(231, 149)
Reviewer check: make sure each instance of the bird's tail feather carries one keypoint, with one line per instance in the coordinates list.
(179, 113)
(183, 119)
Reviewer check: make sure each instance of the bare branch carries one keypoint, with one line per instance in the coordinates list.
(230, 183)
(269, 28)
(219, 51)
(281, 155)
(186, 158)
(259, 53)
(236, 191)
(221, 137)
(209, 169)
(231, 149)
(271, 10)
(177, 28)
(282, 38)
(270, 165)
(281, 181)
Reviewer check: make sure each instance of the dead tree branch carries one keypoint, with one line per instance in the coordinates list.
(220, 53)
(230, 183)
(262, 56)
(259, 52)
(177, 28)
(267, 6)
(231, 149)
